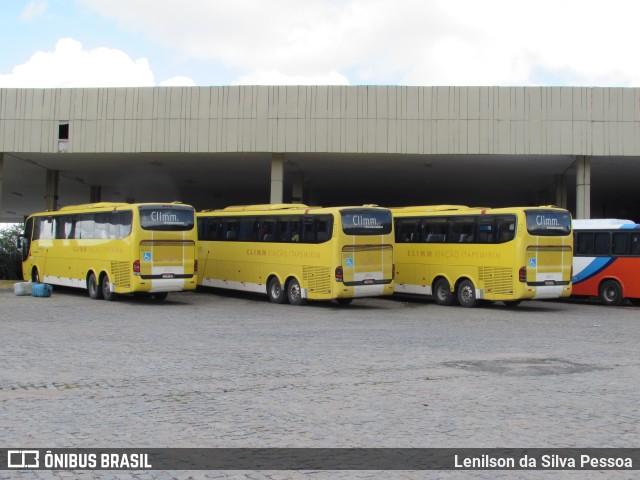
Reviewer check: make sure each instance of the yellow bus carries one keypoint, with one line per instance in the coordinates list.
(113, 248)
(293, 252)
(458, 254)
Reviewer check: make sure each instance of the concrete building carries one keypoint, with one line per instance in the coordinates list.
(322, 145)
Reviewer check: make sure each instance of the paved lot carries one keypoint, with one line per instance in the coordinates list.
(215, 369)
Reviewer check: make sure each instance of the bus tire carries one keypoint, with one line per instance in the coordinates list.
(467, 294)
(275, 291)
(442, 292)
(35, 275)
(294, 292)
(107, 293)
(95, 292)
(635, 301)
(611, 293)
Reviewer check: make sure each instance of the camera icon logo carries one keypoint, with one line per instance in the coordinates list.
(23, 458)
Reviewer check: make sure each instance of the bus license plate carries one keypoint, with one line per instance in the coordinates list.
(168, 275)
(369, 282)
(550, 282)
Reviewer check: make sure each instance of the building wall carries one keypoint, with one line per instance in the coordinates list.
(342, 119)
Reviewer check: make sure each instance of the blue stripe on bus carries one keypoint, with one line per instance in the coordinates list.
(596, 266)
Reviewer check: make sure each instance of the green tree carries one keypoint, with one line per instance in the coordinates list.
(10, 257)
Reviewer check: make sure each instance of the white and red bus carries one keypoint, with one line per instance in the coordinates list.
(606, 260)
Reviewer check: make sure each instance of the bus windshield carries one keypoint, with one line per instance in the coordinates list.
(166, 218)
(548, 223)
(366, 221)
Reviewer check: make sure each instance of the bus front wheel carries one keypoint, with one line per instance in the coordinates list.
(443, 294)
(275, 291)
(611, 293)
(294, 292)
(467, 294)
(95, 292)
(107, 292)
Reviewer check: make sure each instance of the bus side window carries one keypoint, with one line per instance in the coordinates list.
(85, 226)
(635, 244)
(269, 227)
(46, 228)
(308, 233)
(485, 229)
(601, 243)
(231, 229)
(621, 243)
(101, 225)
(435, 230)
(584, 243)
(406, 230)
(64, 228)
(324, 227)
(505, 228)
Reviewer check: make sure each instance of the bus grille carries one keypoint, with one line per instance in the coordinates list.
(317, 279)
(497, 280)
(120, 271)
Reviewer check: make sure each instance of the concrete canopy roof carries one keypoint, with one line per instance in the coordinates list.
(212, 146)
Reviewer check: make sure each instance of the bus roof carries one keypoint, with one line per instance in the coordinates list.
(429, 208)
(105, 206)
(600, 223)
(281, 207)
(462, 209)
(267, 207)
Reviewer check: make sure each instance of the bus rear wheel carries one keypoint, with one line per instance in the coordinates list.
(611, 293)
(107, 292)
(442, 293)
(275, 291)
(95, 292)
(294, 292)
(467, 294)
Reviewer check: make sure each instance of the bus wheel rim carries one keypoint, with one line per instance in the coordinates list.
(467, 294)
(295, 291)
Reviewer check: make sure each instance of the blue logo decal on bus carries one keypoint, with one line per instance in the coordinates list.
(533, 262)
(146, 256)
(350, 262)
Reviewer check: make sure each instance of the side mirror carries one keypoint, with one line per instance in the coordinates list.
(23, 245)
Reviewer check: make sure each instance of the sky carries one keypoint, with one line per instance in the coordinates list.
(102, 43)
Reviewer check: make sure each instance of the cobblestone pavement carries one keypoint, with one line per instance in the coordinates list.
(216, 369)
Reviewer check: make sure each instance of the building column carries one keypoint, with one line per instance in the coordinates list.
(95, 194)
(561, 191)
(583, 187)
(277, 177)
(51, 197)
(297, 193)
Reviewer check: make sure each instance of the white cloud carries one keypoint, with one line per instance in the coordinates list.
(69, 65)
(459, 42)
(273, 77)
(178, 82)
(33, 10)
